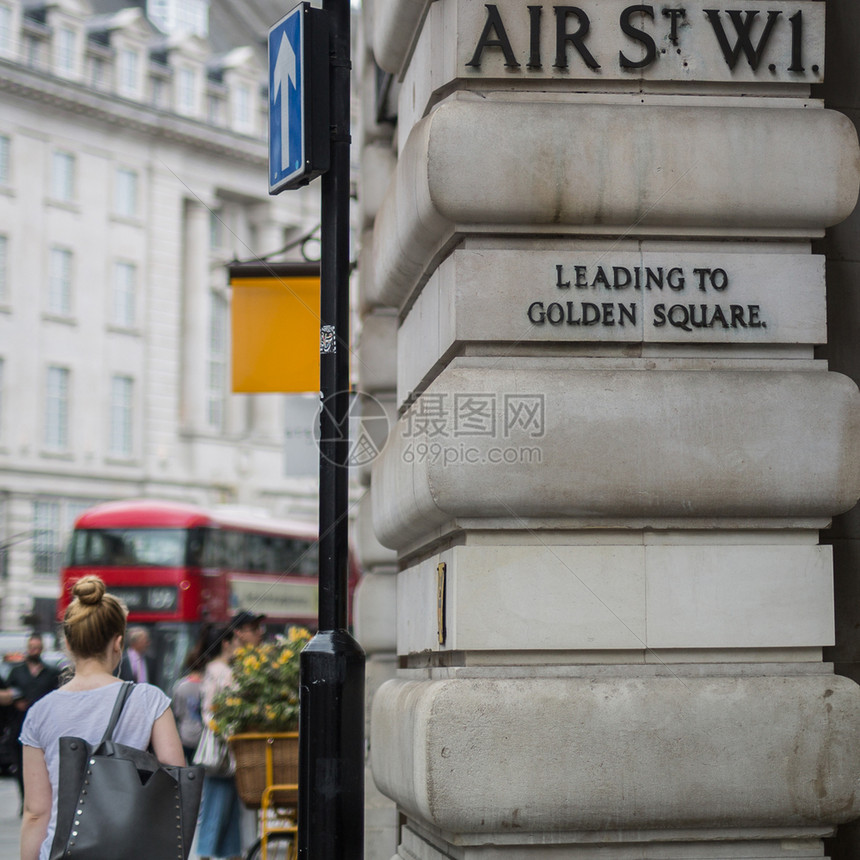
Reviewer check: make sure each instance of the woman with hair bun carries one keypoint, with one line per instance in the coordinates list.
(94, 627)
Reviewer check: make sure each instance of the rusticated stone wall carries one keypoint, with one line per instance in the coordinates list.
(623, 413)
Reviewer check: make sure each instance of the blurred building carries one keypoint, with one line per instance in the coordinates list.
(132, 169)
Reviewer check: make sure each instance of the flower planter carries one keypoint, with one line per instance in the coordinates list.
(264, 760)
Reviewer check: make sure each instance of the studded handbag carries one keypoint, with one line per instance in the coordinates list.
(120, 803)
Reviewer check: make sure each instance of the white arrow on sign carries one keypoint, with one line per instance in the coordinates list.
(285, 72)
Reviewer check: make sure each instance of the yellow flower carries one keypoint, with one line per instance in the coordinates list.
(264, 689)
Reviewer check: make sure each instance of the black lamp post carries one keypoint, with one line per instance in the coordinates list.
(331, 727)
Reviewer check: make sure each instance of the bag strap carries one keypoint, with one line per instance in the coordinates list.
(122, 696)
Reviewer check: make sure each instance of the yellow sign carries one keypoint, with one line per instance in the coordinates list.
(275, 312)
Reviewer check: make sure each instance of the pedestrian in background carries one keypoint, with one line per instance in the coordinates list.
(249, 628)
(136, 664)
(218, 833)
(8, 735)
(186, 701)
(32, 680)
(94, 627)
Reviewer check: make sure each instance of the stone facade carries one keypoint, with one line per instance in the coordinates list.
(132, 169)
(626, 409)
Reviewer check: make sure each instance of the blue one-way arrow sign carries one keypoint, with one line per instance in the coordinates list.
(285, 91)
(298, 98)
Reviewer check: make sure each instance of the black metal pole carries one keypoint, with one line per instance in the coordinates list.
(331, 722)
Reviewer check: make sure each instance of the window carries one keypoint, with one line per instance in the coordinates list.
(129, 547)
(216, 229)
(215, 111)
(121, 408)
(47, 553)
(128, 64)
(180, 16)
(34, 50)
(65, 51)
(60, 282)
(57, 409)
(124, 294)
(217, 381)
(4, 276)
(186, 101)
(5, 153)
(63, 177)
(5, 28)
(53, 519)
(97, 73)
(5, 533)
(256, 552)
(242, 108)
(125, 192)
(192, 16)
(160, 94)
(157, 11)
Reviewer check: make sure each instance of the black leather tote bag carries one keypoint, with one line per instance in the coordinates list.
(120, 803)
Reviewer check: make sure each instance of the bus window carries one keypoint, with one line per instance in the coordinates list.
(299, 557)
(309, 561)
(88, 547)
(129, 547)
(195, 548)
(234, 550)
(214, 554)
(257, 552)
(157, 547)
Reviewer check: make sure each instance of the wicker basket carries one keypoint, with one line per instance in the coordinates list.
(250, 752)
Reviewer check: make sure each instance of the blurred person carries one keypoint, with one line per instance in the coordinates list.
(94, 627)
(32, 680)
(186, 698)
(218, 830)
(249, 628)
(136, 664)
(9, 725)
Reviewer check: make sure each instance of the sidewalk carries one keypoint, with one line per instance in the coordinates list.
(10, 823)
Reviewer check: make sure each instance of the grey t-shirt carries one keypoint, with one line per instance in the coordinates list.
(85, 714)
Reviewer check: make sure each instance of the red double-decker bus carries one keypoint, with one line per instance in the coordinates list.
(176, 566)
